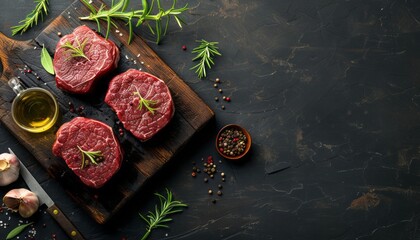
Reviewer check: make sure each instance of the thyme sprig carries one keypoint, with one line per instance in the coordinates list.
(118, 11)
(205, 53)
(76, 51)
(93, 156)
(32, 18)
(158, 218)
(145, 102)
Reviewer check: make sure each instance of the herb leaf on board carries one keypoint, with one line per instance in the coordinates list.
(118, 11)
(46, 61)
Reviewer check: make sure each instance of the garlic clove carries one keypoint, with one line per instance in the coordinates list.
(9, 168)
(23, 201)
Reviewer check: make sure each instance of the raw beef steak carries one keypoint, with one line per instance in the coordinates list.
(78, 74)
(91, 136)
(142, 102)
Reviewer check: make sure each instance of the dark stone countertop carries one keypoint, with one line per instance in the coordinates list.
(329, 91)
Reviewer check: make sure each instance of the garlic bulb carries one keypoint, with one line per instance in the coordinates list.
(22, 200)
(9, 168)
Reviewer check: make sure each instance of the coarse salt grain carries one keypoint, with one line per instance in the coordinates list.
(138, 55)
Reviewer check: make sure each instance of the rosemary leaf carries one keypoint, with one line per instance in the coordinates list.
(76, 51)
(118, 11)
(145, 102)
(46, 61)
(205, 53)
(17, 230)
(94, 157)
(31, 19)
(158, 219)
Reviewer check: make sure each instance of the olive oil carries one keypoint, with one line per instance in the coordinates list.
(35, 110)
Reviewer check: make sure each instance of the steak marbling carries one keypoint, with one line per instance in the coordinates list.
(77, 74)
(88, 135)
(124, 94)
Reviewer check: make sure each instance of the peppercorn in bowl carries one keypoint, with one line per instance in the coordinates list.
(233, 142)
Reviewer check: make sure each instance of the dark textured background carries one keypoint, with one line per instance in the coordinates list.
(329, 90)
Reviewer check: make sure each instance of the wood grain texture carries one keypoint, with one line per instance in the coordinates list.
(141, 160)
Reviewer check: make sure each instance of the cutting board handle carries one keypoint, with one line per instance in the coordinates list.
(8, 57)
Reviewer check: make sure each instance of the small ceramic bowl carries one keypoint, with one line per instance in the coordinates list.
(237, 142)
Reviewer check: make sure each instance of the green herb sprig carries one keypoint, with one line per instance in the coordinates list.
(17, 230)
(46, 61)
(32, 18)
(205, 53)
(76, 51)
(93, 156)
(118, 11)
(146, 103)
(158, 218)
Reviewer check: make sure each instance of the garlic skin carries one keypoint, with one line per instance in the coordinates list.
(9, 168)
(23, 201)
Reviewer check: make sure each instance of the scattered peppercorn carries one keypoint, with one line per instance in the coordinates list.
(206, 180)
(214, 201)
(184, 47)
(228, 99)
(220, 186)
(216, 99)
(219, 193)
(220, 90)
(223, 107)
(222, 174)
(217, 80)
(59, 34)
(193, 174)
(215, 85)
(80, 109)
(210, 192)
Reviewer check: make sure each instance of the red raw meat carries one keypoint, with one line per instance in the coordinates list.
(89, 135)
(123, 96)
(77, 74)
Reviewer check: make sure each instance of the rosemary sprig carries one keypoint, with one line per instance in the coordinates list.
(76, 51)
(159, 217)
(146, 103)
(32, 18)
(93, 156)
(205, 53)
(118, 11)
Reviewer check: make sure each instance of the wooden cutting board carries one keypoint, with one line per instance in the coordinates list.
(141, 160)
